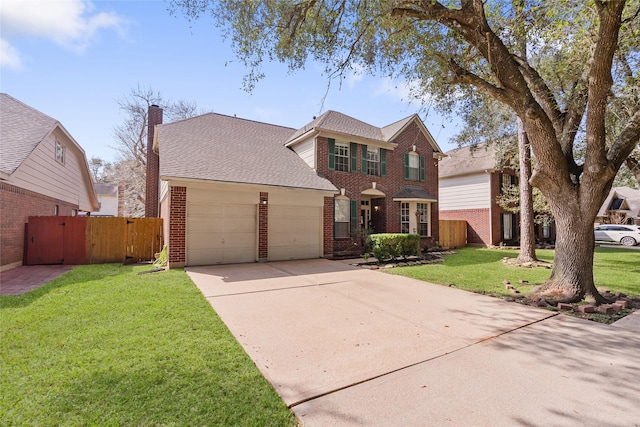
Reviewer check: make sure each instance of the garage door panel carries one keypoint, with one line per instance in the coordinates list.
(205, 240)
(220, 234)
(294, 232)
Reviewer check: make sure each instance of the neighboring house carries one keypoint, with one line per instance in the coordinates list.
(622, 206)
(43, 172)
(470, 182)
(110, 199)
(235, 190)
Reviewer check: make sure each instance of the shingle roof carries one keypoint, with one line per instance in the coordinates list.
(341, 123)
(22, 128)
(631, 197)
(106, 188)
(413, 192)
(229, 149)
(465, 160)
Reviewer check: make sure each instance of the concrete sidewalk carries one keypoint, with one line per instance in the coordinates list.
(347, 346)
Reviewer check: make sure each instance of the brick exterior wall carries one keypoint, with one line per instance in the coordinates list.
(121, 190)
(151, 204)
(177, 227)
(387, 218)
(327, 227)
(16, 206)
(483, 225)
(263, 227)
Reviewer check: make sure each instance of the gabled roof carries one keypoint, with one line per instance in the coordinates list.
(468, 160)
(22, 128)
(631, 200)
(335, 122)
(216, 147)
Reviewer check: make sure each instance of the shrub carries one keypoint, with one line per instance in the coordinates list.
(388, 246)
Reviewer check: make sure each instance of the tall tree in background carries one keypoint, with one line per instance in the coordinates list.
(584, 58)
(131, 140)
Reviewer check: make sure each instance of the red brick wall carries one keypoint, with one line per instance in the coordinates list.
(16, 206)
(478, 224)
(388, 215)
(177, 227)
(153, 165)
(263, 227)
(327, 227)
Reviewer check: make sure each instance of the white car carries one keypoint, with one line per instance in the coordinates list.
(628, 235)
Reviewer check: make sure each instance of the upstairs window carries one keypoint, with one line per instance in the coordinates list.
(373, 161)
(341, 152)
(60, 152)
(414, 167)
(506, 181)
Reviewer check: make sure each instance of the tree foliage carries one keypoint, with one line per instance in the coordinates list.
(580, 76)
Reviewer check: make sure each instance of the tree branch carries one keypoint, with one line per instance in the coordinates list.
(626, 142)
(541, 92)
(463, 76)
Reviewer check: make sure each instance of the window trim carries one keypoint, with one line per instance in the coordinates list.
(424, 218)
(337, 200)
(60, 152)
(342, 160)
(373, 165)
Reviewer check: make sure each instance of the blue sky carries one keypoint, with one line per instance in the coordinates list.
(73, 60)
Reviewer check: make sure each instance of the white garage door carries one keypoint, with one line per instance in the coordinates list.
(295, 232)
(220, 234)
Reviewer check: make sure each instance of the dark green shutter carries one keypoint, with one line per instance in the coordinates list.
(332, 153)
(406, 165)
(354, 217)
(383, 162)
(364, 159)
(422, 164)
(353, 150)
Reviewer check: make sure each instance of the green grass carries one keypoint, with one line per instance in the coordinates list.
(102, 345)
(482, 270)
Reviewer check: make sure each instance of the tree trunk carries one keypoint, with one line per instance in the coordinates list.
(572, 275)
(527, 237)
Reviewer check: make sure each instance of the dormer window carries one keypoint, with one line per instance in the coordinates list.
(60, 152)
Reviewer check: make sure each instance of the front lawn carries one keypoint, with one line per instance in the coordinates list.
(482, 270)
(102, 345)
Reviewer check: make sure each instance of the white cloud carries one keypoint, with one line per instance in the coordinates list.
(355, 75)
(400, 91)
(71, 24)
(9, 56)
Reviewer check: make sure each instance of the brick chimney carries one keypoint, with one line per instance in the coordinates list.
(153, 165)
(121, 188)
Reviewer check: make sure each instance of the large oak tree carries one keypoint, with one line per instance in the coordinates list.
(582, 62)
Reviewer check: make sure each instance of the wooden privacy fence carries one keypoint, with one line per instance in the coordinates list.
(91, 240)
(453, 233)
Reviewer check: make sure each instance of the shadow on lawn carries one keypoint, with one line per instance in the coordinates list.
(79, 274)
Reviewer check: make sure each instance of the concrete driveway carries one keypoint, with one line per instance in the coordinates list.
(348, 346)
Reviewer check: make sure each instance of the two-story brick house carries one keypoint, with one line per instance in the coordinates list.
(236, 190)
(387, 177)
